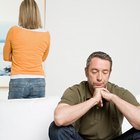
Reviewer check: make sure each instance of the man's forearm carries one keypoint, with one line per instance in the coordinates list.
(67, 114)
(131, 112)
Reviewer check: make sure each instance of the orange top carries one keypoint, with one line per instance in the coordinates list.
(26, 49)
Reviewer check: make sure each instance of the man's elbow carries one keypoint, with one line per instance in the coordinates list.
(60, 116)
(136, 126)
(59, 120)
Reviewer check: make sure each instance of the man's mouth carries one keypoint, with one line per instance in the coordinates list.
(99, 85)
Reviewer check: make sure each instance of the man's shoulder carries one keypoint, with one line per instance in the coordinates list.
(114, 87)
(80, 86)
(122, 93)
(75, 94)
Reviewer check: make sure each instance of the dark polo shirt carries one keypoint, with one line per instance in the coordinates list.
(98, 123)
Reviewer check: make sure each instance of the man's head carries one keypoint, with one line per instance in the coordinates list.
(98, 69)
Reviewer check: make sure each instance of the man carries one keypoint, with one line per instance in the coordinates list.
(94, 109)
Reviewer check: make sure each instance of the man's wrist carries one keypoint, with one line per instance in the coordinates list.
(94, 101)
(113, 96)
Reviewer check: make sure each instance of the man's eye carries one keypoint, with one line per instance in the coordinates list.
(94, 71)
(105, 72)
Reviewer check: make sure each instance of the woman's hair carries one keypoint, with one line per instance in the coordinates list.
(29, 15)
(100, 55)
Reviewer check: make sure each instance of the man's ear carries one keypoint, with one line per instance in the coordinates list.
(86, 72)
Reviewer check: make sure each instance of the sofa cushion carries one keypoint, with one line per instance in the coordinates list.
(26, 119)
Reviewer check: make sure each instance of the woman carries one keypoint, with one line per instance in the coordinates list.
(27, 46)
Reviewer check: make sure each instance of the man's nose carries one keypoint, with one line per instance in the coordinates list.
(99, 77)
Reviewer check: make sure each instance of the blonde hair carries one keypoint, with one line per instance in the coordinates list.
(29, 15)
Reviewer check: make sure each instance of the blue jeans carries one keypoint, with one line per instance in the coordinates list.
(132, 134)
(63, 133)
(26, 88)
(69, 133)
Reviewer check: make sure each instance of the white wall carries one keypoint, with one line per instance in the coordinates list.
(79, 27)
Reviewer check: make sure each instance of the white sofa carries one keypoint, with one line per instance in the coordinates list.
(29, 119)
(26, 119)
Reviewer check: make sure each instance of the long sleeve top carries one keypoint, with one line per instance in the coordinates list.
(26, 49)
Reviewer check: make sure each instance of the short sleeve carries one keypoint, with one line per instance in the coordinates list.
(70, 96)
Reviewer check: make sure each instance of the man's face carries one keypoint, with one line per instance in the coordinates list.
(98, 72)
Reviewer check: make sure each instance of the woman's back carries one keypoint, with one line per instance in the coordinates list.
(29, 49)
